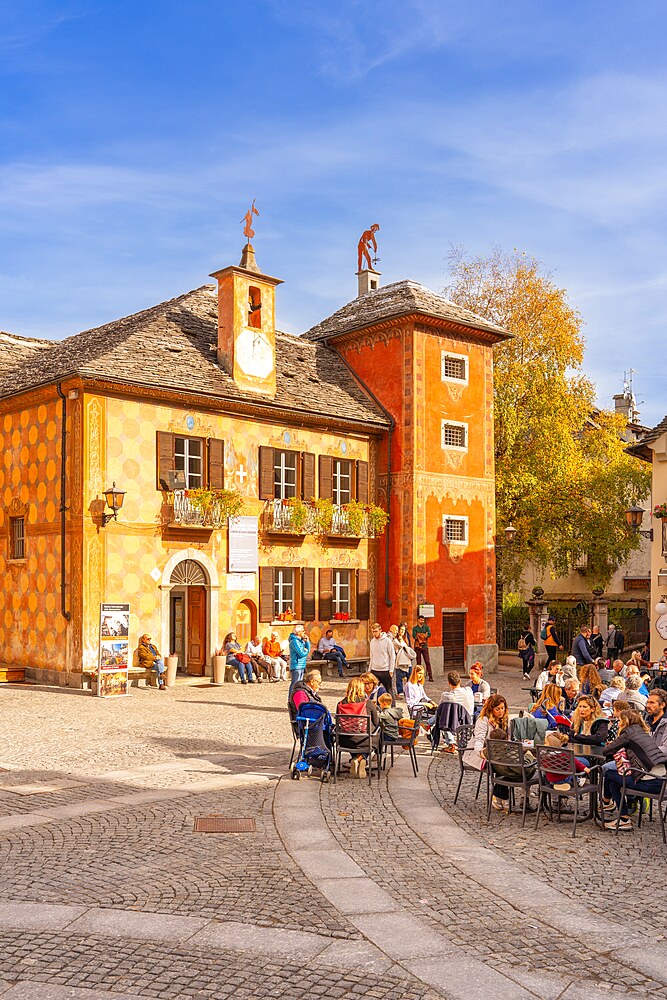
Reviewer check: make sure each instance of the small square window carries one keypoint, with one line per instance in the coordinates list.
(453, 367)
(17, 538)
(454, 435)
(454, 529)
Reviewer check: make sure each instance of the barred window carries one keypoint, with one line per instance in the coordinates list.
(17, 538)
(454, 366)
(454, 435)
(454, 529)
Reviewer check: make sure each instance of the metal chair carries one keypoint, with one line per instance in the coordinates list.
(408, 743)
(560, 761)
(637, 793)
(353, 734)
(449, 716)
(464, 734)
(500, 756)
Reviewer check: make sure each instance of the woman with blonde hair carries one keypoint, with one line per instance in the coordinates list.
(414, 691)
(550, 704)
(372, 686)
(589, 723)
(355, 708)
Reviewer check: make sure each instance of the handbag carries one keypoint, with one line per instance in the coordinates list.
(406, 728)
(623, 765)
(243, 658)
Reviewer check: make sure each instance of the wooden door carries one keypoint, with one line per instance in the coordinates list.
(196, 653)
(454, 640)
(245, 623)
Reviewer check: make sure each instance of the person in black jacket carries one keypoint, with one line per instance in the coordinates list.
(644, 755)
(596, 641)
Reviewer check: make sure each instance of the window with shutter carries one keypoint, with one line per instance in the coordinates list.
(307, 476)
(342, 481)
(308, 594)
(266, 489)
(165, 459)
(266, 593)
(341, 591)
(284, 592)
(362, 482)
(216, 464)
(326, 477)
(326, 596)
(363, 596)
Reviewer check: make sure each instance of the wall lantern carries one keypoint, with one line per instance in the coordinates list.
(633, 516)
(114, 498)
(510, 533)
(661, 607)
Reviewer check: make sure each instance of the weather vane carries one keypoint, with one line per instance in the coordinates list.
(367, 241)
(247, 218)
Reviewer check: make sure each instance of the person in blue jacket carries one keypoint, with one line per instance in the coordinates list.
(299, 647)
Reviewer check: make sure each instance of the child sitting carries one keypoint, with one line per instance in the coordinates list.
(389, 718)
(561, 782)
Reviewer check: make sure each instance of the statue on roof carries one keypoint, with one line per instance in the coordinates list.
(367, 241)
(248, 231)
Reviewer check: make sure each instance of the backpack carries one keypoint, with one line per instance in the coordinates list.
(522, 644)
(543, 633)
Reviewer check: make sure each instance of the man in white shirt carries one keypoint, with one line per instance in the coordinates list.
(463, 695)
(260, 664)
(382, 660)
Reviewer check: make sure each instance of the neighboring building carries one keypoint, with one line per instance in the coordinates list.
(202, 391)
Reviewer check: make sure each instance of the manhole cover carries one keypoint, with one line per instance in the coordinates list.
(220, 824)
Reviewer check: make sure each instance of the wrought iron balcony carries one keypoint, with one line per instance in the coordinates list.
(289, 519)
(181, 511)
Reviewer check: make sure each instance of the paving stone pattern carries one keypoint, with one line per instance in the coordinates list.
(152, 970)
(611, 875)
(366, 824)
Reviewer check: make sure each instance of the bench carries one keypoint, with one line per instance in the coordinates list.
(134, 675)
(357, 664)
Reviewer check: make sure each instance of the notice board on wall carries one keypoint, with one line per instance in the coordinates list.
(243, 545)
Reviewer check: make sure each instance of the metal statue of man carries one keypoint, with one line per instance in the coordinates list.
(367, 240)
(247, 229)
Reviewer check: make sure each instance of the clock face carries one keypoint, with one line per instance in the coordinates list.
(254, 353)
(661, 626)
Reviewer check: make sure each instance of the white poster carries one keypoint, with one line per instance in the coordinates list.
(243, 545)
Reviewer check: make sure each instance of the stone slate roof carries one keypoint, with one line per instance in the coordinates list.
(15, 349)
(402, 298)
(640, 449)
(173, 346)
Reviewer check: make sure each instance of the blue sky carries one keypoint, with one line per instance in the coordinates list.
(133, 136)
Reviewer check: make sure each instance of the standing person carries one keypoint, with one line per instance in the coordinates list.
(551, 641)
(405, 655)
(421, 633)
(596, 642)
(382, 660)
(299, 647)
(527, 647)
(238, 659)
(581, 651)
(150, 659)
(615, 643)
(329, 650)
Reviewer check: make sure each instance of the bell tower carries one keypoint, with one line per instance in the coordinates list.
(247, 321)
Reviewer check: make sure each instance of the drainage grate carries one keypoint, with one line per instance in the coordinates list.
(220, 824)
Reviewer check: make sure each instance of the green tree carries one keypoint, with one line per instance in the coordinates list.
(562, 475)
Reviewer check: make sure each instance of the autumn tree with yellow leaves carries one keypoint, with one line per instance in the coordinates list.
(563, 477)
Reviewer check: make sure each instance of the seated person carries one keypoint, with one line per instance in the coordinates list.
(329, 650)
(549, 705)
(352, 731)
(644, 754)
(481, 690)
(557, 741)
(456, 693)
(570, 694)
(590, 680)
(414, 691)
(494, 715)
(149, 658)
(662, 662)
(632, 670)
(372, 686)
(589, 723)
(389, 718)
(656, 715)
(238, 659)
(305, 691)
(610, 694)
(259, 662)
(633, 694)
(514, 772)
(552, 675)
(273, 652)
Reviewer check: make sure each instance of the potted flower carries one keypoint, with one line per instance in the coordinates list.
(324, 512)
(171, 663)
(298, 513)
(660, 511)
(377, 519)
(219, 664)
(355, 513)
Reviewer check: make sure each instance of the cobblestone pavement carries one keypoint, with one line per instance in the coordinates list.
(97, 803)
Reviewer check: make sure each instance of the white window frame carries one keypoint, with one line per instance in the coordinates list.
(283, 489)
(453, 423)
(341, 589)
(459, 519)
(342, 494)
(193, 479)
(457, 357)
(283, 590)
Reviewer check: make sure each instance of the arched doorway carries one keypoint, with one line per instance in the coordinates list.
(188, 616)
(246, 622)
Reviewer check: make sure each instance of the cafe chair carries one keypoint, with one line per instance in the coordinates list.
(551, 760)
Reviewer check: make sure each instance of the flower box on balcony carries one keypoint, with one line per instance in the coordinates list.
(341, 616)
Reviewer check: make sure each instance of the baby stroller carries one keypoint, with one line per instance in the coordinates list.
(315, 741)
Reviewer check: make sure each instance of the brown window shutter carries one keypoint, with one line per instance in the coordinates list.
(362, 482)
(307, 475)
(308, 594)
(165, 458)
(216, 464)
(266, 593)
(326, 596)
(363, 596)
(326, 477)
(266, 476)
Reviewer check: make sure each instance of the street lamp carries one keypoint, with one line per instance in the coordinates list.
(114, 498)
(510, 533)
(661, 607)
(633, 516)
